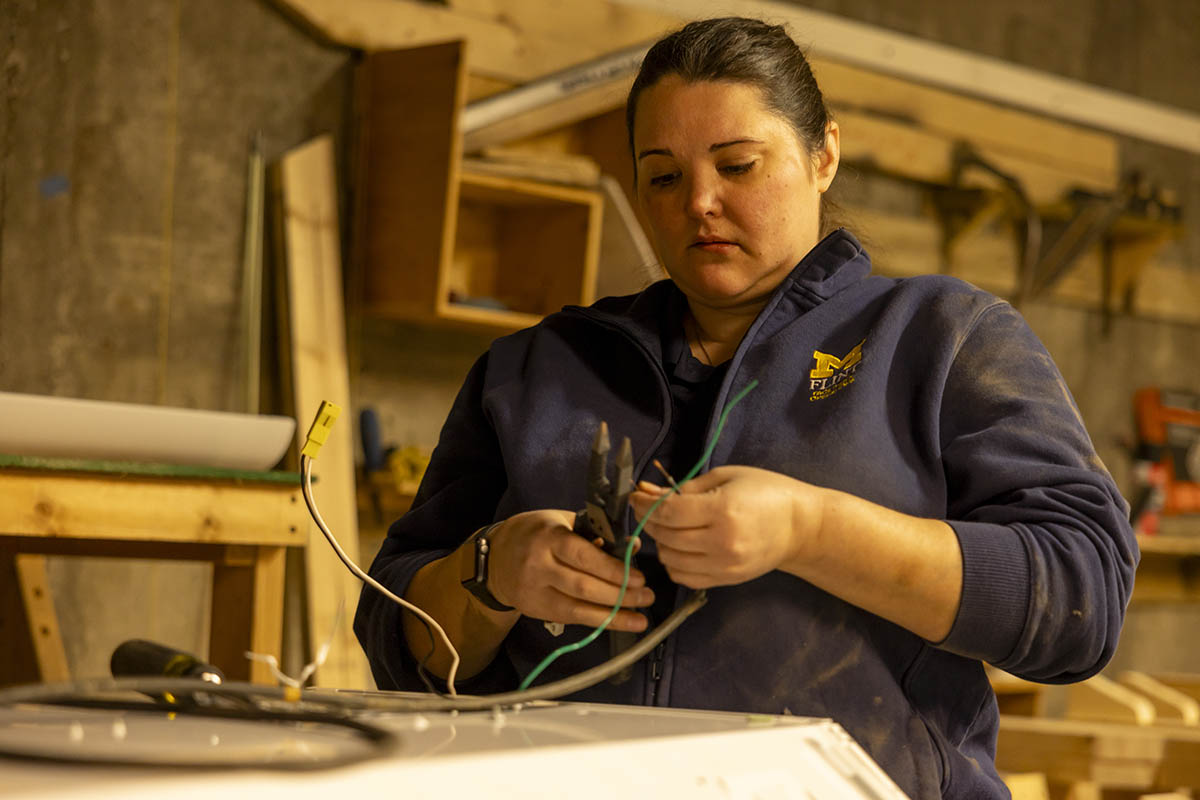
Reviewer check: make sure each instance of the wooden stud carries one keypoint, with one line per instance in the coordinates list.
(316, 335)
(247, 613)
(33, 647)
(43, 620)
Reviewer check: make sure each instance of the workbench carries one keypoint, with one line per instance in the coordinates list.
(240, 521)
(577, 750)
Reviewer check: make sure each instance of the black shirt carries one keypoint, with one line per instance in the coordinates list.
(694, 387)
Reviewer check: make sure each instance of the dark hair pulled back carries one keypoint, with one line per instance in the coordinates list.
(745, 51)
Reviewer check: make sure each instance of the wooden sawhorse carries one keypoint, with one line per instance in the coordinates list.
(240, 521)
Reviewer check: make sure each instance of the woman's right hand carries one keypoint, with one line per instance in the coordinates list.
(541, 567)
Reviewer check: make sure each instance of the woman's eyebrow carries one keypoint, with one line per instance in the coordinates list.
(732, 142)
(662, 151)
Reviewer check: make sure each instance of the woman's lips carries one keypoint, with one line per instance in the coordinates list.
(715, 246)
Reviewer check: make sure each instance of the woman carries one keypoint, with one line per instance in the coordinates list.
(909, 492)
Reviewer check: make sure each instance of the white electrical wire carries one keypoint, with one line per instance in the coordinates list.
(306, 485)
(309, 668)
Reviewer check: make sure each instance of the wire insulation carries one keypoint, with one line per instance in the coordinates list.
(306, 470)
(637, 532)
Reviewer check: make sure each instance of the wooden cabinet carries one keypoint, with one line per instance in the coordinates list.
(438, 244)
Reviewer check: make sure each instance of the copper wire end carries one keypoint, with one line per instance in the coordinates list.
(658, 465)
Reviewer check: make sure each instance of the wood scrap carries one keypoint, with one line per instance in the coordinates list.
(1171, 706)
(563, 168)
(1071, 751)
(1103, 699)
(627, 261)
(1027, 785)
(1187, 683)
(316, 345)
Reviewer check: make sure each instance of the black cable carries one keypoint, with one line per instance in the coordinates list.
(79, 695)
(51, 693)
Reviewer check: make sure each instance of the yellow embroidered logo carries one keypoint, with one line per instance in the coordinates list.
(831, 374)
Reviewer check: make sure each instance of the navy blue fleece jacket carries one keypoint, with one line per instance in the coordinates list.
(953, 411)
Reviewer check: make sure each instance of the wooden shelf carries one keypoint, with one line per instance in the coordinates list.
(1169, 571)
(440, 245)
(381, 502)
(1170, 545)
(1016, 695)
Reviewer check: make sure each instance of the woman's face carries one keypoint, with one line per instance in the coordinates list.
(729, 191)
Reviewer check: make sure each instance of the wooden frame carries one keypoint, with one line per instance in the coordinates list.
(242, 528)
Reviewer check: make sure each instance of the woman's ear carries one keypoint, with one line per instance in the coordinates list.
(828, 157)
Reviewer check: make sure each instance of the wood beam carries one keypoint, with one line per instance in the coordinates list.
(497, 50)
(958, 70)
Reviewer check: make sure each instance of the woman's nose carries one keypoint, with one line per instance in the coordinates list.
(703, 197)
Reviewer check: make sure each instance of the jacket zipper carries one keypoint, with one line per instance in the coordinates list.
(656, 670)
(659, 653)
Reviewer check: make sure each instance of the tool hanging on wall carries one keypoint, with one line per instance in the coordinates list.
(1168, 424)
(1128, 225)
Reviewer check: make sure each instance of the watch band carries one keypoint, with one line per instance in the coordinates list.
(476, 583)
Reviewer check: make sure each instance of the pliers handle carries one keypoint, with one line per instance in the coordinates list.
(604, 513)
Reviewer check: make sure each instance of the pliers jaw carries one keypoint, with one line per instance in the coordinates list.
(603, 518)
(604, 513)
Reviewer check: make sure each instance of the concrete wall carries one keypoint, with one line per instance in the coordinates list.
(124, 129)
(124, 133)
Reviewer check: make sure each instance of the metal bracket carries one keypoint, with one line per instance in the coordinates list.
(1136, 217)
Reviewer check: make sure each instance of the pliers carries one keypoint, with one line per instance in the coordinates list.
(604, 513)
(603, 518)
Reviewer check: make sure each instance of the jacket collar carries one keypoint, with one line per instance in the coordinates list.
(836, 262)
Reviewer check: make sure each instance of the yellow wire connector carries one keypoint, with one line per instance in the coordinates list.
(319, 432)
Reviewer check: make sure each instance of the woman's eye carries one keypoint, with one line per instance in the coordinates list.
(663, 180)
(737, 169)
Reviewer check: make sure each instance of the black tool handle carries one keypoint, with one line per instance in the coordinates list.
(138, 657)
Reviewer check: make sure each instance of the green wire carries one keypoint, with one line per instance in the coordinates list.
(637, 532)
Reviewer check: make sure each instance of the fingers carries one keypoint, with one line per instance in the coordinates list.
(549, 572)
(591, 615)
(687, 508)
(683, 561)
(581, 586)
(577, 553)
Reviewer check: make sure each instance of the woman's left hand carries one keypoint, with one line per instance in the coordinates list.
(731, 524)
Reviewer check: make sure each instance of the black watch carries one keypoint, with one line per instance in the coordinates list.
(476, 583)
